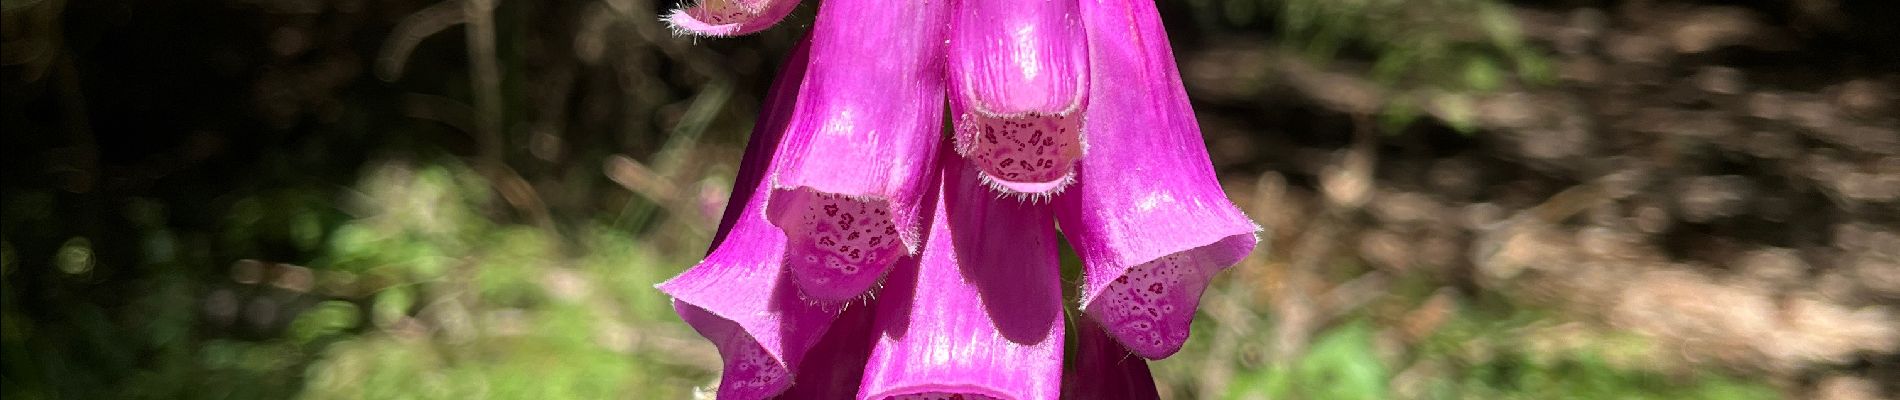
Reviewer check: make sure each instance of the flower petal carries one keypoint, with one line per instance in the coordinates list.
(979, 313)
(729, 17)
(1018, 73)
(861, 152)
(834, 367)
(739, 297)
(755, 318)
(1146, 213)
(1104, 370)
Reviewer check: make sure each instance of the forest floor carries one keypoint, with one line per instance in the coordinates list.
(1701, 176)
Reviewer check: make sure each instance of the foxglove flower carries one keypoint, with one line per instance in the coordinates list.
(1018, 74)
(849, 182)
(1146, 213)
(863, 257)
(740, 297)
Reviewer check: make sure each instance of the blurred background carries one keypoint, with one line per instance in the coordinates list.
(1466, 199)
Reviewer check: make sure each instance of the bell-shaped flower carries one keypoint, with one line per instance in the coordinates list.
(1018, 75)
(846, 180)
(1146, 213)
(860, 151)
(740, 297)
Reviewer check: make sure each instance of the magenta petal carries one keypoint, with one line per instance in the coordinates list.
(860, 151)
(979, 313)
(761, 328)
(739, 297)
(729, 17)
(834, 367)
(1146, 213)
(1102, 369)
(1018, 73)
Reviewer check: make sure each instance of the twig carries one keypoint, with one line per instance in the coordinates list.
(484, 82)
(410, 31)
(636, 177)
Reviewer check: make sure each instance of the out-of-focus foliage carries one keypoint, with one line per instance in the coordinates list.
(1341, 365)
(1525, 354)
(422, 296)
(1432, 53)
(461, 307)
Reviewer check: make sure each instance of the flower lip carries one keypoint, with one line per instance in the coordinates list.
(729, 17)
(750, 371)
(1150, 308)
(837, 247)
(1031, 155)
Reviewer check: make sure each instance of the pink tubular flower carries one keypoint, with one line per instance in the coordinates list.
(1018, 77)
(862, 257)
(849, 181)
(739, 297)
(1146, 213)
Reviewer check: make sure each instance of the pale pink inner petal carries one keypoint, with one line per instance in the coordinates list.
(837, 247)
(1026, 154)
(1151, 306)
(718, 12)
(940, 396)
(729, 17)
